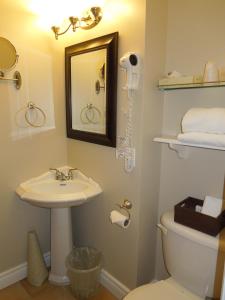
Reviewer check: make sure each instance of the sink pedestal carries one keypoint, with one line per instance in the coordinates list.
(61, 244)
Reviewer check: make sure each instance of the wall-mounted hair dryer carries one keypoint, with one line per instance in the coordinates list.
(131, 63)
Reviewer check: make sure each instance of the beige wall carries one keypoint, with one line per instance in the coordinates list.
(126, 252)
(151, 123)
(32, 154)
(194, 36)
(129, 255)
(120, 247)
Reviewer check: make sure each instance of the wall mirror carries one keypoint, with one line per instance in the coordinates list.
(8, 55)
(91, 89)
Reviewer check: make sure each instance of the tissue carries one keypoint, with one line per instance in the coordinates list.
(119, 219)
(212, 206)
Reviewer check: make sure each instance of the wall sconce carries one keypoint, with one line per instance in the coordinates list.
(94, 16)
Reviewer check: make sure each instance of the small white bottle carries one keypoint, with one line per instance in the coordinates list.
(211, 73)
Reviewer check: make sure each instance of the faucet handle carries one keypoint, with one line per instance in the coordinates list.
(70, 172)
(57, 172)
(54, 169)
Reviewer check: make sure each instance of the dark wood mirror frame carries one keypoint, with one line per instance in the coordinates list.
(110, 43)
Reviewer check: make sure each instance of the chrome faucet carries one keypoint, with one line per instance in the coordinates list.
(61, 176)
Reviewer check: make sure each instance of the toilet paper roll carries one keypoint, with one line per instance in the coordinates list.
(119, 219)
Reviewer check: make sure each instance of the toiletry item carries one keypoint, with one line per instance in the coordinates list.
(119, 219)
(198, 208)
(212, 206)
(198, 78)
(174, 74)
(207, 120)
(222, 73)
(211, 73)
(176, 80)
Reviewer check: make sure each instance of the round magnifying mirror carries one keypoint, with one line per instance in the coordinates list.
(8, 55)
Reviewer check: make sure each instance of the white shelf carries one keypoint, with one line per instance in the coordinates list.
(191, 85)
(174, 141)
(179, 147)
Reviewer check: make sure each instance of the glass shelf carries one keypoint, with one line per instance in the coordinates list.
(191, 85)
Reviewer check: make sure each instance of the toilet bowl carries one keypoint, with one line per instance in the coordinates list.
(190, 258)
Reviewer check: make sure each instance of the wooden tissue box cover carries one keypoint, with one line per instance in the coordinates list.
(185, 214)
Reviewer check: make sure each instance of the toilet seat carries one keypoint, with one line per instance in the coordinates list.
(161, 290)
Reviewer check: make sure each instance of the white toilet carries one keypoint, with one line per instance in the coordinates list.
(190, 257)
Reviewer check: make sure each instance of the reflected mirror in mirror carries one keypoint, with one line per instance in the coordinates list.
(88, 97)
(91, 90)
(8, 55)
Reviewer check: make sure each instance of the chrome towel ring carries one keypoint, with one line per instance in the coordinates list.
(39, 114)
(90, 114)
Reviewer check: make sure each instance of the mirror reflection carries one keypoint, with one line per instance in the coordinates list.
(88, 94)
(8, 55)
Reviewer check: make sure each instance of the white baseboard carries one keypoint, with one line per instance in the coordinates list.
(118, 289)
(19, 272)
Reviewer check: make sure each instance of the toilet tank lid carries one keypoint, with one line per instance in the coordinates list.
(167, 220)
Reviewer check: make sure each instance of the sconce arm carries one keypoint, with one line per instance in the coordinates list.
(92, 19)
(73, 23)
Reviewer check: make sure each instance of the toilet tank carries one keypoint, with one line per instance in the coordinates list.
(190, 256)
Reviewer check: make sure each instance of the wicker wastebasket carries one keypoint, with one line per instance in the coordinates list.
(84, 266)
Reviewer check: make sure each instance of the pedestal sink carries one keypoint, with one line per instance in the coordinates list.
(60, 196)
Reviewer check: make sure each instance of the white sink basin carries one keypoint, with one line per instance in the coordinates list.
(46, 191)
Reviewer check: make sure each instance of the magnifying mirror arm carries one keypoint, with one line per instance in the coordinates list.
(16, 79)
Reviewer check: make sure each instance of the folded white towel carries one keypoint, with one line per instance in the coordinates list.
(204, 139)
(208, 120)
(212, 206)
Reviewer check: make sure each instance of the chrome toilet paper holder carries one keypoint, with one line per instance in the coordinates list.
(126, 205)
